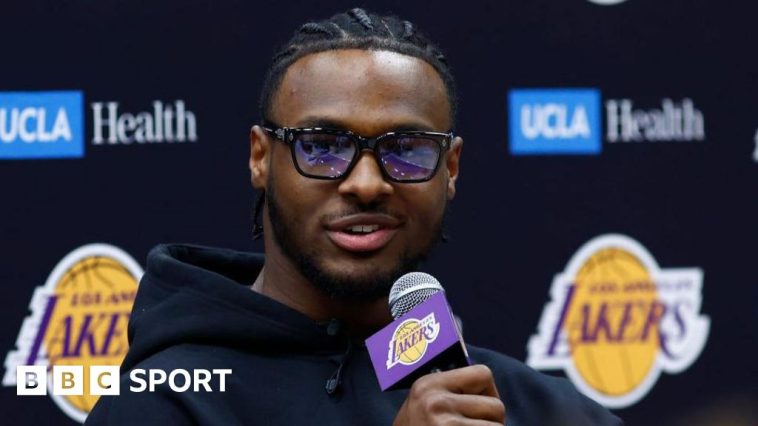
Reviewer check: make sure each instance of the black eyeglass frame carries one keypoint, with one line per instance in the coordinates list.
(287, 135)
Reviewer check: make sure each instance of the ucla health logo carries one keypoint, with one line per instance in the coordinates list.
(554, 121)
(78, 318)
(41, 125)
(616, 320)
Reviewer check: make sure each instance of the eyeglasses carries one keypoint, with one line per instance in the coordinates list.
(320, 153)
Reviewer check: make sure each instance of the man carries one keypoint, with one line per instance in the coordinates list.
(357, 161)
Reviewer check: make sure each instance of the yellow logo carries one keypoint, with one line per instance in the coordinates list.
(79, 317)
(616, 320)
(411, 339)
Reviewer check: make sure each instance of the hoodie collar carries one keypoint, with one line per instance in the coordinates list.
(202, 295)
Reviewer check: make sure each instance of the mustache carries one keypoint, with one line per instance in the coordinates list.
(357, 208)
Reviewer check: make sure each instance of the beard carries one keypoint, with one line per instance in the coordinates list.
(344, 285)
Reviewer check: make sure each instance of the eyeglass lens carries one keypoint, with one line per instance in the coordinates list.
(409, 158)
(404, 158)
(324, 155)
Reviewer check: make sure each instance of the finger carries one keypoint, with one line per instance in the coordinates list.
(474, 422)
(472, 380)
(479, 407)
(462, 421)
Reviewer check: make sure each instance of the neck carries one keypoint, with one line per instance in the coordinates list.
(281, 280)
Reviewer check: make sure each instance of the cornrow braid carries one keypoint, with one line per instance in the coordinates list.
(362, 17)
(356, 29)
(314, 28)
(407, 29)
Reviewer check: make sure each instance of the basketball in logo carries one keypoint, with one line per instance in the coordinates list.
(616, 320)
(412, 351)
(411, 339)
(612, 346)
(80, 318)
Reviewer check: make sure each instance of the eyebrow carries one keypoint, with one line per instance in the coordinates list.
(329, 123)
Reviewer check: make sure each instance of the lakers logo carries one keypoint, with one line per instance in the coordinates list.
(411, 339)
(616, 321)
(79, 317)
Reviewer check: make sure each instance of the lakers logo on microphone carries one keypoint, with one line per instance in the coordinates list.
(78, 318)
(411, 339)
(616, 321)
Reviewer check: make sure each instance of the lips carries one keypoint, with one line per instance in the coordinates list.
(362, 232)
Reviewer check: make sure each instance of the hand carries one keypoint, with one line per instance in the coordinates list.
(464, 396)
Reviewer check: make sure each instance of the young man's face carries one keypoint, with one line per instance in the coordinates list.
(369, 93)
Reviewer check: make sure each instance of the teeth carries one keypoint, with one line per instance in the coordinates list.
(364, 229)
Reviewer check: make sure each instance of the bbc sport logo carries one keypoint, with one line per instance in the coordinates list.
(37, 125)
(69, 380)
(554, 121)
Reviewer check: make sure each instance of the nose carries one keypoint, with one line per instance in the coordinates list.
(365, 182)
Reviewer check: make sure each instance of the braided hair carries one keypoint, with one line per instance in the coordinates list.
(356, 29)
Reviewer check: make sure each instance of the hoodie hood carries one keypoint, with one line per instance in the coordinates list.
(201, 295)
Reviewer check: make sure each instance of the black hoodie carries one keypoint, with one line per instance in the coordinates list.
(195, 310)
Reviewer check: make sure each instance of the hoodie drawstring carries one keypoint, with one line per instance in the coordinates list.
(334, 382)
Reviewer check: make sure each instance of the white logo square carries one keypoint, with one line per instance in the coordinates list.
(31, 380)
(104, 380)
(68, 380)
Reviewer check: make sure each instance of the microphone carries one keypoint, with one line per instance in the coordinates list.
(424, 337)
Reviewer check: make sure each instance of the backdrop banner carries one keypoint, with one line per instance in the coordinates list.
(603, 229)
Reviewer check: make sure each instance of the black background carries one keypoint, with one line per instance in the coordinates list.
(515, 222)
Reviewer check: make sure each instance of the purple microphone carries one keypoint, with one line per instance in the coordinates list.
(423, 338)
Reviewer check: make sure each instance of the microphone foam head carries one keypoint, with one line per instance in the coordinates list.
(410, 290)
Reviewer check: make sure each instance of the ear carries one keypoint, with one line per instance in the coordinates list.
(260, 156)
(452, 163)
